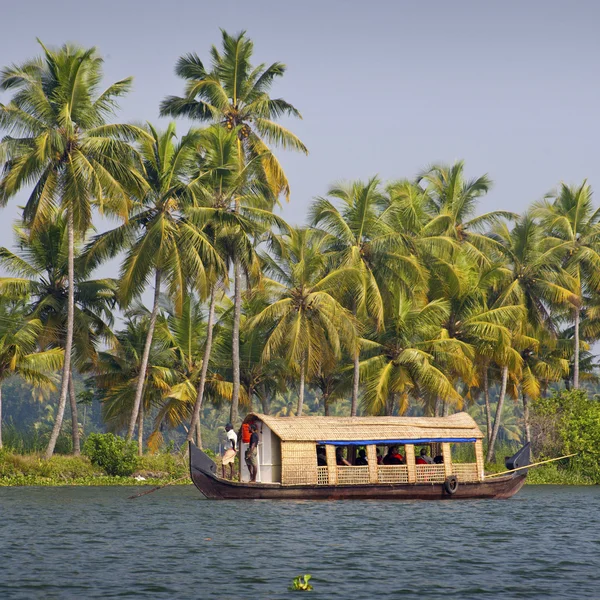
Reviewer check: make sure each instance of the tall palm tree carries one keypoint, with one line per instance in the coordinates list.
(572, 225)
(235, 94)
(19, 352)
(159, 240)
(39, 269)
(362, 240)
(59, 141)
(307, 322)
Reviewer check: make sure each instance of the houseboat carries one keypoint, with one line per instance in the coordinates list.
(299, 458)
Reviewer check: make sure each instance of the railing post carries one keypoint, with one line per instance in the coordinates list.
(331, 464)
(447, 454)
(409, 455)
(479, 459)
(372, 460)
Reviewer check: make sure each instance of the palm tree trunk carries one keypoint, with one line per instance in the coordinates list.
(486, 395)
(235, 341)
(1, 445)
(198, 435)
(438, 406)
(355, 383)
(204, 370)
(301, 391)
(498, 418)
(576, 353)
(145, 357)
(64, 386)
(326, 404)
(445, 409)
(74, 419)
(141, 431)
(526, 418)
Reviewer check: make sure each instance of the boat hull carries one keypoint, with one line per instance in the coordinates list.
(216, 488)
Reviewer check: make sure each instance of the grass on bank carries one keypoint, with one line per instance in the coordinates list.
(32, 469)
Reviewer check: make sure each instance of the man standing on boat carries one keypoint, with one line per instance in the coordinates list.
(252, 453)
(231, 451)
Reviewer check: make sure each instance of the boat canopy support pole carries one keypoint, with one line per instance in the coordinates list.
(331, 464)
(447, 454)
(372, 460)
(479, 459)
(409, 451)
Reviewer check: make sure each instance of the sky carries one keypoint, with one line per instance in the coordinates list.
(384, 88)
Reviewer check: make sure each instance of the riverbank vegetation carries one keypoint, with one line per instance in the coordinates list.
(396, 297)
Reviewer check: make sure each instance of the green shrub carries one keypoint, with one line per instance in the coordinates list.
(111, 453)
(568, 422)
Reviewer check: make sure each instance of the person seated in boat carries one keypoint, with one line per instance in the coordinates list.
(361, 459)
(438, 460)
(230, 452)
(339, 458)
(321, 456)
(393, 457)
(252, 453)
(379, 457)
(423, 458)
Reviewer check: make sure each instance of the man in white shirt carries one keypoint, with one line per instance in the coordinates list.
(231, 451)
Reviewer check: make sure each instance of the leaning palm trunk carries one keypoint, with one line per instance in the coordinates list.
(576, 352)
(64, 386)
(498, 418)
(486, 395)
(235, 341)
(355, 382)
(301, 390)
(74, 419)
(145, 356)
(204, 370)
(141, 431)
(0, 418)
(526, 418)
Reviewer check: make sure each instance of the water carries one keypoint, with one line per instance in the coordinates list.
(94, 543)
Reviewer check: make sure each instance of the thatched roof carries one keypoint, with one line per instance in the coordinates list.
(459, 426)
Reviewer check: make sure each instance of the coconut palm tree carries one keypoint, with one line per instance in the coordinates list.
(19, 352)
(362, 240)
(572, 225)
(235, 94)
(59, 141)
(40, 270)
(307, 322)
(159, 240)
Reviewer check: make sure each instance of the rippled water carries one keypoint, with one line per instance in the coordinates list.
(94, 543)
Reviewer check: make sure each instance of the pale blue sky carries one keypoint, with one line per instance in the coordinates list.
(385, 88)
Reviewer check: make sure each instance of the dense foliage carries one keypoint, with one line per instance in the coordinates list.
(568, 422)
(111, 453)
(397, 297)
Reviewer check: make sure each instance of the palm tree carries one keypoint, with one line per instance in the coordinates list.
(361, 239)
(307, 322)
(159, 239)
(572, 225)
(40, 270)
(59, 140)
(19, 353)
(235, 94)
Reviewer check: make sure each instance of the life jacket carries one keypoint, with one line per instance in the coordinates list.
(246, 433)
(420, 461)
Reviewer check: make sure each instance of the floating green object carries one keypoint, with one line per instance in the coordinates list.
(301, 583)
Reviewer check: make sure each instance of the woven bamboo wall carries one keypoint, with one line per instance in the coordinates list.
(298, 463)
(409, 457)
(479, 459)
(465, 471)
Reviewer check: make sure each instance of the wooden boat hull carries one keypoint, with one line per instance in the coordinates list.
(216, 488)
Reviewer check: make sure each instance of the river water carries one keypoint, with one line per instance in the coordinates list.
(94, 543)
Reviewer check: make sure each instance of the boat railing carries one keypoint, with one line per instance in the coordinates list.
(352, 475)
(465, 471)
(430, 473)
(392, 474)
(322, 475)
